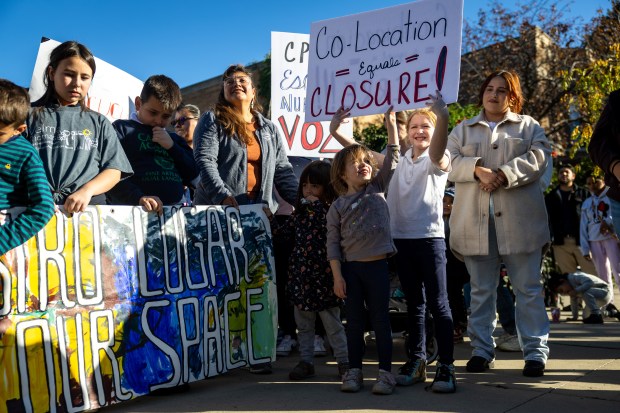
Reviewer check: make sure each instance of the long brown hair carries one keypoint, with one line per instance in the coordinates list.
(228, 116)
(515, 96)
(61, 52)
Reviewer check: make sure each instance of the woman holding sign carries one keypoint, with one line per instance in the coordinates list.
(498, 158)
(240, 154)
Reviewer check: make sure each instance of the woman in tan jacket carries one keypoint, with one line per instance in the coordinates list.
(499, 215)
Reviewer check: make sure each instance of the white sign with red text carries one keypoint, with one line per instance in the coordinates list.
(289, 72)
(393, 56)
(111, 93)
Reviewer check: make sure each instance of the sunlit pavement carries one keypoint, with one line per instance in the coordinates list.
(582, 375)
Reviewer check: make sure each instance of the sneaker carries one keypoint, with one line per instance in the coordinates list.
(413, 371)
(510, 343)
(593, 319)
(478, 364)
(343, 367)
(611, 309)
(285, 346)
(319, 346)
(261, 368)
(534, 368)
(385, 383)
(352, 381)
(302, 370)
(445, 380)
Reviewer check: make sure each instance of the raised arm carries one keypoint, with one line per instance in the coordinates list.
(342, 117)
(439, 142)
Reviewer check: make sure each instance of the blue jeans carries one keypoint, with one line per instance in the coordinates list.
(368, 293)
(422, 273)
(531, 316)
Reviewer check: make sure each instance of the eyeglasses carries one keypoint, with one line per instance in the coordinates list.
(243, 80)
(181, 121)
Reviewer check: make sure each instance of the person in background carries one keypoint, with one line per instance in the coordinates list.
(358, 245)
(310, 284)
(456, 274)
(184, 122)
(240, 154)
(594, 292)
(80, 151)
(163, 163)
(599, 241)
(22, 177)
(604, 150)
(498, 158)
(282, 250)
(564, 209)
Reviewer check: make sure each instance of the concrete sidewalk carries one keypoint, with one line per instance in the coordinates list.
(582, 375)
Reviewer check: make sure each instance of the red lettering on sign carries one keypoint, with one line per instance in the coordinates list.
(289, 134)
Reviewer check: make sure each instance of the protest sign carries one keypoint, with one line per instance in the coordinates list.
(112, 91)
(289, 72)
(394, 56)
(113, 303)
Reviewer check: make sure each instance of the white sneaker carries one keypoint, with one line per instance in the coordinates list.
(510, 343)
(319, 346)
(286, 346)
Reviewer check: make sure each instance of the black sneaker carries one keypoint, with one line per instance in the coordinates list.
(534, 368)
(593, 319)
(302, 370)
(478, 364)
(261, 368)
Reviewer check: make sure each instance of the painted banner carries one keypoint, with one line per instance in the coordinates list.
(289, 73)
(112, 92)
(394, 56)
(114, 303)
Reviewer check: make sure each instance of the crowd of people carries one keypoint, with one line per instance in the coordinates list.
(433, 200)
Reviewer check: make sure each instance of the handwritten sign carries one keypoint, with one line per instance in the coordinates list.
(111, 93)
(394, 56)
(289, 73)
(114, 303)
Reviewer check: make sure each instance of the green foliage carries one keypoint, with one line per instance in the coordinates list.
(373, 136)
(264, 85)
(459, 113)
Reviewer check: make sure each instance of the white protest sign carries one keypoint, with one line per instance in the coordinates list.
(111, 93)
(289, 72)
(394, 56)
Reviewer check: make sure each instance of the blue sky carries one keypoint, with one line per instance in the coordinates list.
(188, 40)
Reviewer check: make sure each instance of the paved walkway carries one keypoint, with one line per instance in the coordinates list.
(583, 376)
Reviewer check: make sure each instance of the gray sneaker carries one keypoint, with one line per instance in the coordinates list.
(343, 367)
(445, 380)
(385, 383)
(352, 381)
(510, 343)
(413, 371)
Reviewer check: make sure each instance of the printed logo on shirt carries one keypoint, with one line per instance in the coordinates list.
(162, 157)
(50, 137)
(7, 166)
